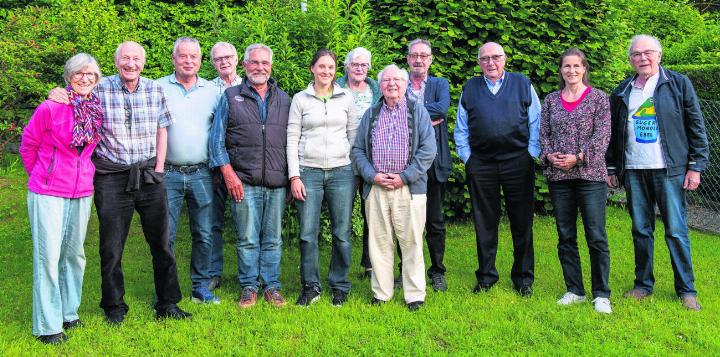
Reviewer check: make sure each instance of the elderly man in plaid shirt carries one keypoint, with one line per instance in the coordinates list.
(394, 148)
(129, 163)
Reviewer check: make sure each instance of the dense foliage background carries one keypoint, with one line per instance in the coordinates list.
(37, 37)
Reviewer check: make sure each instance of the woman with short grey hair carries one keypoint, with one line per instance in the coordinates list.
(56, 148)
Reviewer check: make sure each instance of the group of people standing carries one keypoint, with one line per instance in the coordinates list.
(154, 146)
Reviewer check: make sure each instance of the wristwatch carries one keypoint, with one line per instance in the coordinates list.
(579, 162)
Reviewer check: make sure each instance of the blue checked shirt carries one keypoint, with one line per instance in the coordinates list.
(129, 129)
(390, 139)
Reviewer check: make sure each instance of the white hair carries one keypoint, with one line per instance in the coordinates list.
(419, 40)
(355, 53)
(256, 46)
(76, 63)
(222, 44)
(119, 47)
(184, 39)
(403, 72)
(637, 38)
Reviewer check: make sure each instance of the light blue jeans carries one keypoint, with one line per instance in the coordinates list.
(197, 189)
(58, 230)
(258, 222)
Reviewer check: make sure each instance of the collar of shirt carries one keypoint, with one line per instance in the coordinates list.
(400, 105)
(493, 87)
(119, 84)
(219, 82)
(199, 82)
(649, 83)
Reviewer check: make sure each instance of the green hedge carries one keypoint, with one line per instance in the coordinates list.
(705, 78)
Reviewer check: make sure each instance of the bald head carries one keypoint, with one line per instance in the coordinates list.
(491, 58)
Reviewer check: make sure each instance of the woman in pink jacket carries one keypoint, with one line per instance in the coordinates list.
(56, 147)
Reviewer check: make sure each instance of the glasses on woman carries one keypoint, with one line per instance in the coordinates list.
(79, 75)
(359, 65)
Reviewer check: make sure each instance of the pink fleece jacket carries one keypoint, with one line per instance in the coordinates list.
(55, 168)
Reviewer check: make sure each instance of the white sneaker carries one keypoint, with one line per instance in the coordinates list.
(571, 298)
(602, 305)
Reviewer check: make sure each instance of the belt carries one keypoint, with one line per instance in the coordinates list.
(186, 169)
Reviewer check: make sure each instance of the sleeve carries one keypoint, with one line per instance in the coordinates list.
(438, 108)
(698, 147)
(359, 150)
(597, 145)
(165, 119)
(217, 149)
(545, 132)
(461, 135)
(294, 129)
(534, 124)
(426, 149)
(33, 136)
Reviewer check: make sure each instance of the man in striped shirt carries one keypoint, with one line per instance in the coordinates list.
(394, 147)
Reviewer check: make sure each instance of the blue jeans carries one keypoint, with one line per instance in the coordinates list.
(645, 188)
(216, 256)
(569, 196)
(258, 223)
(338, 186)
(58, 231)
(195, 187)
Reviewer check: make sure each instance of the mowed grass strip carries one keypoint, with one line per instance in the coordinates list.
(458, 321)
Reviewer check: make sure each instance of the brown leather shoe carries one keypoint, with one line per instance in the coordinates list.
(690, 302)
(248, 297)
(274, 297)
(637, 294)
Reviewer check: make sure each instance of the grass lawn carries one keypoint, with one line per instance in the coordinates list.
(458, 321)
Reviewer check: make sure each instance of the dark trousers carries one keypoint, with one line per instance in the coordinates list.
(516, 179)
(365, 260)
(589, 197)
(115, 209)
(435, 223)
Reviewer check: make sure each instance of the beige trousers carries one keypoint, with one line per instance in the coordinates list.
(400, 214)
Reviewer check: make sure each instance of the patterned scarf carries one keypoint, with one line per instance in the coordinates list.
(88, 118)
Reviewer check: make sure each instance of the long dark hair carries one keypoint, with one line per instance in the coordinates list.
(574, 52)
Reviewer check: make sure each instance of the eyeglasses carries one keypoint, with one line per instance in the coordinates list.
(223, 58)
(422, 56)
(494, 58)
(89, 75)
(359, 65)
(638, 55)
(395, 79)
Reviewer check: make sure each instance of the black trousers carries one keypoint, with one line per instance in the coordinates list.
(115, 209)
(516, 178)
(569, 196)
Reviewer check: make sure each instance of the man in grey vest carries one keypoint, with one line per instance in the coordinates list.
(248, 142)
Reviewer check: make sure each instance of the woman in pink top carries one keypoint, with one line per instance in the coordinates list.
(574, 135)
(56, 147)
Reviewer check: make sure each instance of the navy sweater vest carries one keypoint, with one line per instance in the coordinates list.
(498, 123)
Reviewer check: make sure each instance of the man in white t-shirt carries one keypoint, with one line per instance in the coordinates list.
(658, 148)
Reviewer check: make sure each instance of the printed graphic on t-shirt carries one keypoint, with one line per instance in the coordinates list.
(645, 123)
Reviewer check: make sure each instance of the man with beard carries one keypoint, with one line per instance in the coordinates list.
(248, 139)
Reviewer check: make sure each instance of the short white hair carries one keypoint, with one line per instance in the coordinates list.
(222, 44)
(416, 41)
(76, 63)
(642, 37)
(402, 71)
(256, 46)
(355, 53)
(184, 39)
(119, 47)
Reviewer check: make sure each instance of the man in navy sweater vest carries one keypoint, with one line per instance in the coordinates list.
(496, 135)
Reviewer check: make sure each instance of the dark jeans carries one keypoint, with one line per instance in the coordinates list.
(220, 195)
(645, 188)
(516, 178)
(589, 197)
(115, 209)
(365, 260)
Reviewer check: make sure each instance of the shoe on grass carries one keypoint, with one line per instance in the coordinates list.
(204, 296)
(438, 282)
(310, 293)
(338, 297)
(637, 294)
(602, 305)
(690, 302)
(274, 297)
(376, 302)
(481, 288)
(524, 291)
(115, 318)
(248, 297)
(173, 312)
(415, 305)
(571, 298)
(53, 339)
(69, 325)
